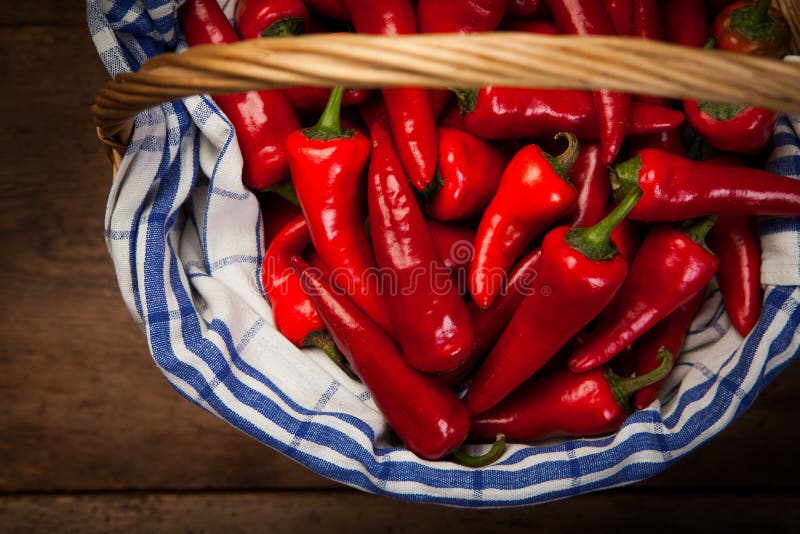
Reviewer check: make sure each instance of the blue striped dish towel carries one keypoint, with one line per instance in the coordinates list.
(186, 240)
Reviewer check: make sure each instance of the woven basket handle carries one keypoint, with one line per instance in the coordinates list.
(451, 61)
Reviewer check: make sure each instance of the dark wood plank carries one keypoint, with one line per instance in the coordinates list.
(345, 511)
(84, 408)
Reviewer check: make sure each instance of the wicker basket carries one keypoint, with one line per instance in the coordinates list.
(342, 439)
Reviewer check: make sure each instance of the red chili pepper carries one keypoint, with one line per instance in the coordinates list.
(591, 179)
(731, 127)
(627, 236)
(431, 321)
(262, 120)
(670, 334)
(453, 243)
(736, 242)
(544, 27)
(647, 25)
(511, 113)
(313, 99)
(669, 141)
(522, 8)
(676, 188)
(589, 17)
(564, 404)
(270, 18)
(429, 418)
(440, 100)
(582, 271)
(276, 212)
(410, 113)
(534, 192)
(752, 27)
(294, 313)
(685, 22)
(334, 9)
(327, 164)
(621, 13)
(680, 263)
(468, 175)
(457, 16)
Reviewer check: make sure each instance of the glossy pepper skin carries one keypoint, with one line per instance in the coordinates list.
(509, 113)
(262, 120)
(752, 27)
(621, 13)
(591, 179)
(429, 418)
(670, 334)
(685, 22)
(431, 321)
(522, 8)
(327, 164)
(453, 243)
(731, 127)
(410, 113)
(459, 16)
(534, 192)
(564, 404)
(676, 188)
(589, 17)
(647, 25)
(681, 264)
(735, 240)
(468, 176)
(583, 272)
(270, 18)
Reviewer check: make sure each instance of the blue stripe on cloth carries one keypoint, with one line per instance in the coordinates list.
(202, 357)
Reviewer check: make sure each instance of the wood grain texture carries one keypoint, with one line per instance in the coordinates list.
(85, 409)
(346, 511)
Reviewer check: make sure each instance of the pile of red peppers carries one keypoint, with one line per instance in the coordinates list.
(501, 263)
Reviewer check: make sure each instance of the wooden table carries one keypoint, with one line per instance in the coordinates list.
(93, 438)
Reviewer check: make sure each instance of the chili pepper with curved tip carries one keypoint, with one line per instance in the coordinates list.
(583, 271)
(752, 27)
(327, 163)
(430, 419)
(468, 176)
(334, 9)
(676, 188)
(270, 18)
(731, 127)
(669, 333)
(410, 113)
(735, 240)
(589, 17)
(522, 8)
(262, 120)
(511, 113)
(621, 13)
(681, 263)
(685, 22)
(591, 179)
(565, 404)
(458, 16)
(430, 320)
(294, 313)
(534, 192)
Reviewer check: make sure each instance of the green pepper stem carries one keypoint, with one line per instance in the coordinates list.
(323, 341)
(287, 27)
(757, 13)
(595, 242)
(285, 189)
(570, 155)
(492, 455)
(698, 230)
(623, 388)
(625, 176)
(329, 126)
(467, 100)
